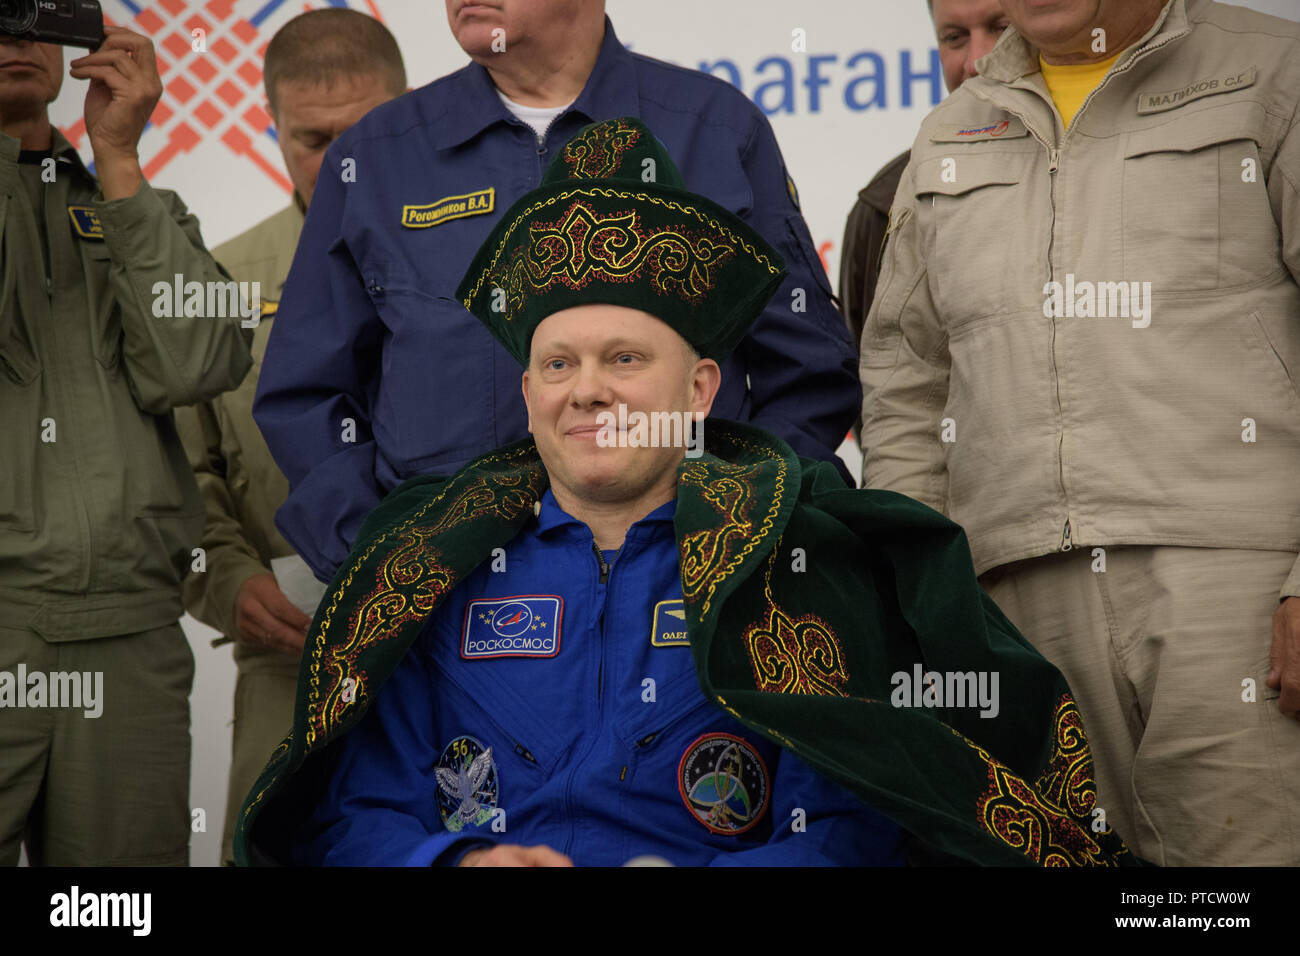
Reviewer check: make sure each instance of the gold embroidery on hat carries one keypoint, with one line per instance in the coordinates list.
(599, 152)
(586, 246)
(724, 235)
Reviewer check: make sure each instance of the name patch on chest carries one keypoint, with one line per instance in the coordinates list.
(85, 221)
(449, 207)
(1159, 102)
(669, 626)
(526, 625)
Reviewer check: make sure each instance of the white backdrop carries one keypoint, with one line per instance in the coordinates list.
(841, 109)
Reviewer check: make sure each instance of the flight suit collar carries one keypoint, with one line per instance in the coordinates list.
(1014, 56)
(610, 90)
(552, 516)
(11, 147)
(63, 152)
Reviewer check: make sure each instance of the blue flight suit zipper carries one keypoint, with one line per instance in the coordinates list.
(604, 570)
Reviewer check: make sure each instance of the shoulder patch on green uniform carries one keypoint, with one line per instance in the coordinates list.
(669, 627)
(1159, 102)
(449, 207)
(269, 306)
(86, 222)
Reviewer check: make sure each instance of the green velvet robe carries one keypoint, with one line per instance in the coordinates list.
(807, 602)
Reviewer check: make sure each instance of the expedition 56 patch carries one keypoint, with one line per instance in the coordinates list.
(468, 789)
(724, 783)
(526, 625)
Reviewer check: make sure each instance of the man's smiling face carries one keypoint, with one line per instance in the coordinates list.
(590, 360)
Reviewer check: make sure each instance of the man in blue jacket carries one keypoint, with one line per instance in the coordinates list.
(375, 373)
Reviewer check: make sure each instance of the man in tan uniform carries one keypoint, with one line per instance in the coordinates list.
(1084, 350)
(324, 70)
(98, 511)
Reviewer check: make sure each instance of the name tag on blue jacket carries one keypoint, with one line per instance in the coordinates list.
(521, 626)
(669, 627)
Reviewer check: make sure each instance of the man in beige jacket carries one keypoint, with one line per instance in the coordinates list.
(324, 70)
(1084, 348)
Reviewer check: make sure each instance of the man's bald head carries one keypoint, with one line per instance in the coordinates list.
(320, 46)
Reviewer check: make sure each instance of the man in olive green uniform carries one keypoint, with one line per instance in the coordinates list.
(238, 593)
(98, 512)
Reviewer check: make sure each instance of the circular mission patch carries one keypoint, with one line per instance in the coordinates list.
(724, 783)
(467, 784)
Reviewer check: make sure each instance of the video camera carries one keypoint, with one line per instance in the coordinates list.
(66, 22)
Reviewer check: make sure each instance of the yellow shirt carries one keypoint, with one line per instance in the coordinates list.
(1070, 85)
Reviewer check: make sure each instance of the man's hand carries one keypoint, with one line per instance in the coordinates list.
(267, 618)
(1284, 658)
(124, 89)
(514, 855)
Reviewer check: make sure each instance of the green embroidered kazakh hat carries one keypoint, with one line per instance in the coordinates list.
(613, 223)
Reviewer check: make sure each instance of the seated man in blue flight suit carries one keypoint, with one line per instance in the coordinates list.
(586, 647)
(549, 713)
